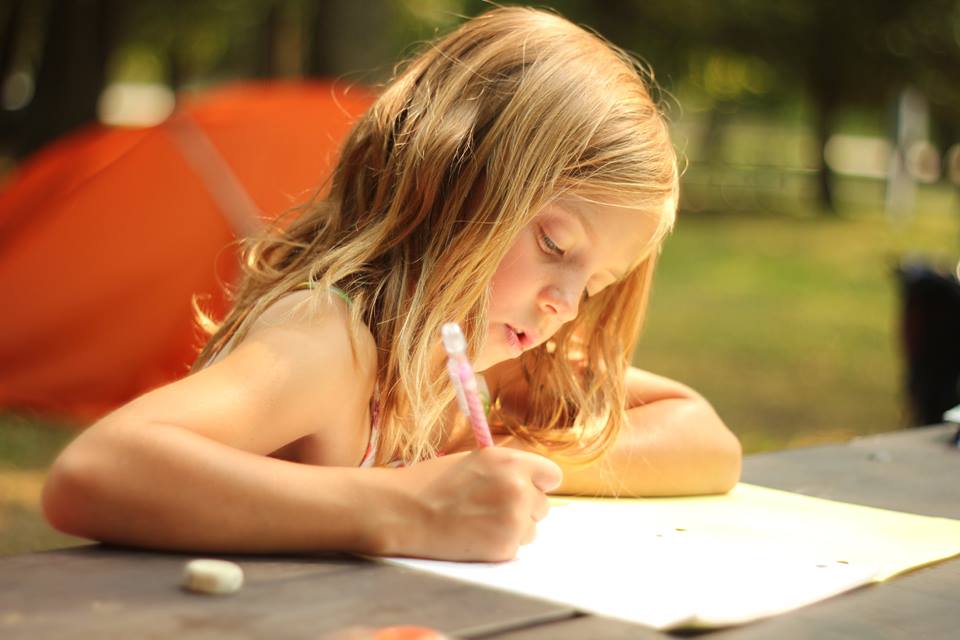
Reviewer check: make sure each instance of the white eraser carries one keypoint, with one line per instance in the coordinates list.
(212, 576)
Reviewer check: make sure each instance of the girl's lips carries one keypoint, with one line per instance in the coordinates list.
(521, 340)
(526, 341)
(513, 339)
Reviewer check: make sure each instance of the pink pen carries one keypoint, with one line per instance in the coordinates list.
(465, 382)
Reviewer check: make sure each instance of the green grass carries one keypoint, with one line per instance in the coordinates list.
(27, 447)
(788, 324)
(30, 443)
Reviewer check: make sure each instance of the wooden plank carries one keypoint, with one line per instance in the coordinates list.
(583, 627)
(878, 611)
(96, 592)
(914, 471)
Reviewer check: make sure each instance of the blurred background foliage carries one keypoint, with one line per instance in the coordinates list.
(820, 145)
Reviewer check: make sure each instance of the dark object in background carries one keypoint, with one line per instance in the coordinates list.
(931, 340)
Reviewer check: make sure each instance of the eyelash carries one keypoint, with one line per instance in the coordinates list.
(550, 247)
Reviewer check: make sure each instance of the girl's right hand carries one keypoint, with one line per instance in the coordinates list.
(480, 505)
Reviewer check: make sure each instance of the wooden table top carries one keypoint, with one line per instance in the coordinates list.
(101, 592)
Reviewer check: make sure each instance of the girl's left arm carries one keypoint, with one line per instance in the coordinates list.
(675, 444)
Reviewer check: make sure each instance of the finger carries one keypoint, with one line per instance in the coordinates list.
(539, 507)
(546, 475)
(529, 534)
(543, 472)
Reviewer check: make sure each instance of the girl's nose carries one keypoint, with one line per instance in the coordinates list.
(560, 303)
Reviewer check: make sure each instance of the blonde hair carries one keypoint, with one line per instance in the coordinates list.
(461, 150)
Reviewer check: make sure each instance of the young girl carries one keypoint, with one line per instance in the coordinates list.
(515, 178)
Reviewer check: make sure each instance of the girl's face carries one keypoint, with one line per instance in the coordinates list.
(571, 250)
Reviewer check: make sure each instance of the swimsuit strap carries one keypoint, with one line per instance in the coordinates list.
(343, 294)
(340, 293)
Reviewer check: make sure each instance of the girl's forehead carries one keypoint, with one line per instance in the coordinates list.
(609, 220)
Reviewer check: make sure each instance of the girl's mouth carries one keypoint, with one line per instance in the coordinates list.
(514, 338)
(519, 339)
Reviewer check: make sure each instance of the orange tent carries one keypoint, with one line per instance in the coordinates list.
(107, 234)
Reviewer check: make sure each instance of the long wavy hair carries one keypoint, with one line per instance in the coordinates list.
(463, 147)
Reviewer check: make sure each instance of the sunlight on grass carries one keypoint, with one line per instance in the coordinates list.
(789, 325)
(27, 447)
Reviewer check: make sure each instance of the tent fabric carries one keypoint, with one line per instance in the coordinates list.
(107, 234)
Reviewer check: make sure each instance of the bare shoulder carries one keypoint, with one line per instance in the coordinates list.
(322, 322)
(311, 334)
(296, 373)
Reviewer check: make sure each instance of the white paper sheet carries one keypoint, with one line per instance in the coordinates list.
(706, 562)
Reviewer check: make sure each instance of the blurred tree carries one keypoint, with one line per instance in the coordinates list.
(735, 54)
(269, 32)
(81, 45)
(346, 37)
(820, 51)
(8, 37)
(77, 38)
(929, 47)
(830, 55)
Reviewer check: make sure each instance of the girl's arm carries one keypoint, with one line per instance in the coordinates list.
(187, 466)
(675, 444)
(164, 487)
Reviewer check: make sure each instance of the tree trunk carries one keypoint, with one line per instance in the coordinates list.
(823, 125)
(9, 120)
(78, 40)
(9, 40)
(825, 85)
(265, 65)
(345, 36)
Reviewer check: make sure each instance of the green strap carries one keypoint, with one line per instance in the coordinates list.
(337, 290)
(343, 294)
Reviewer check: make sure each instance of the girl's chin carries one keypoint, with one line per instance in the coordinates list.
(487, 360)
(498, 349)
(482, 363)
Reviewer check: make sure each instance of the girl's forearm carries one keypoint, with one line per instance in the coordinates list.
(168, 488)
(676, 446)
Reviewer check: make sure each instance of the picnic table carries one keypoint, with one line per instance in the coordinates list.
(96, 591)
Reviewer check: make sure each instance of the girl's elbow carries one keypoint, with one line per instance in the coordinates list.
(729, 463)
(66, 495)
(726, 452)
(74, 491)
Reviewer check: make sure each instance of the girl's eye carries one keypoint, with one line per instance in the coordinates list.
(549, 245)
